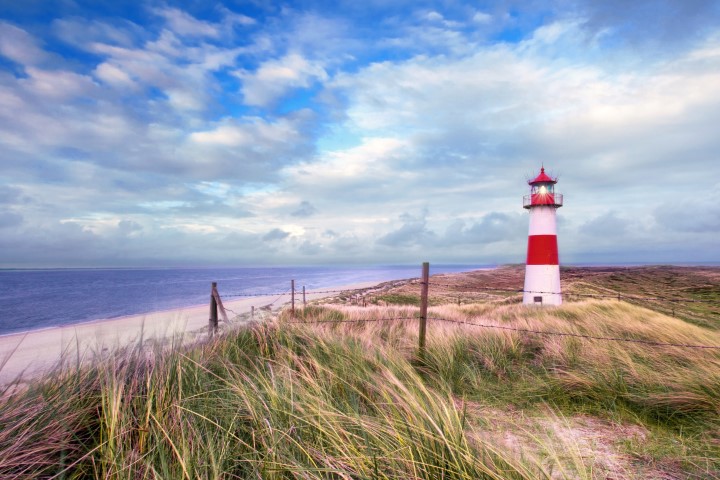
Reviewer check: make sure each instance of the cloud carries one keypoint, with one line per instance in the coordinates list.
(275, 78)
(365, 170)
(251, 131)
(55, 243)
(608, 225)
(82, 32)
(275, 234)
(10, 219)
(249, 149)
(128, 226)
(699, 215)
(113, 75)
(19, 46)
(666, 24)
(482, 17)
(9, 194)
(492, 227)
(310, 248)
(306, 209)
(184, 24)
(57, 85)
(231, 18)
(412, 231)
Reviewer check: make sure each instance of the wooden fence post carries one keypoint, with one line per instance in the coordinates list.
(424, 306)
(292, 298)
(213, 322)
(304, 301)
(252, 312)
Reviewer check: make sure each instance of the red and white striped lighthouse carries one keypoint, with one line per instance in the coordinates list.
(542, 271)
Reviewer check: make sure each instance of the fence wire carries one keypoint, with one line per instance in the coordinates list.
(351, 320)
(515, 329)
(576, 335)
(297, 292)
(476, 289)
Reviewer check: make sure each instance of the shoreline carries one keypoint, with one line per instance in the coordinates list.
(28, 354)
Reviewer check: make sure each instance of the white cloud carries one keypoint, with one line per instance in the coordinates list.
(81, 32)
(482, 17)
(413, 231)
(252, 131)
(276, 234)
(113, 75)
(275, 78)
(231, 18)
(19, 46)
(58, 84)
(434, 16)
(182, 71)
(306, 209)
(186, 25)
(369, 161)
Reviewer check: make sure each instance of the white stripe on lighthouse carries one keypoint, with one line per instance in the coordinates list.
(542, 281)
(542, 221)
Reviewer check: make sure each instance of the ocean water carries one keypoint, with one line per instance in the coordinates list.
(34, 299)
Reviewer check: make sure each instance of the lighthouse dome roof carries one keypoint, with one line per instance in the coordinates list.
(542, 178)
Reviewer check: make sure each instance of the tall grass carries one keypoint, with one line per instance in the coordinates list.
(673, 384)
(673, 391)
(298, 399)
(263, 403)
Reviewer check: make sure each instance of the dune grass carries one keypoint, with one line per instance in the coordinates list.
(298, 399)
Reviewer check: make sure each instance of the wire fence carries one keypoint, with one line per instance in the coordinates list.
(577, 335)
(514, 329)
(619, 295)
(288, 292)
(351, 320)
(478, 289)
(423, 317)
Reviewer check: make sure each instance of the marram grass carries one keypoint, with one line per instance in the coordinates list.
(354, 400)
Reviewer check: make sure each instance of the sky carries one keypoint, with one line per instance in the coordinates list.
(201, 133)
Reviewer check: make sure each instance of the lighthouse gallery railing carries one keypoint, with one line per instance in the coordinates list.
(551, 199)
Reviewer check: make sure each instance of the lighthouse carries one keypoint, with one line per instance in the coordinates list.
(542, 271)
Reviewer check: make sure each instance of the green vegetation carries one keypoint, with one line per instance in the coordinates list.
(398, 299)
(343, 394)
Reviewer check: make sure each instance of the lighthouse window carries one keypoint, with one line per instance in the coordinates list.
(542, 189)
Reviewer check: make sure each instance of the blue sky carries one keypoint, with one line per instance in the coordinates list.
(245, 133)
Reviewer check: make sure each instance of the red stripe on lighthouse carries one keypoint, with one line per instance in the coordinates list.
(542, 250)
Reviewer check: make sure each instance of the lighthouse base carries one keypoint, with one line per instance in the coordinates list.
(542, 285)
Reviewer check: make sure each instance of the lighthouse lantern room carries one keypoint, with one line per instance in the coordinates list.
(542, 270)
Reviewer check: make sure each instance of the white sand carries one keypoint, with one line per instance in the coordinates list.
(31, 353)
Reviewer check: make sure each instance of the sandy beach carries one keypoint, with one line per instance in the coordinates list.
(28, 354)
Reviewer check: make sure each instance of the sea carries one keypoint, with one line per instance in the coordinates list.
(41, 298)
